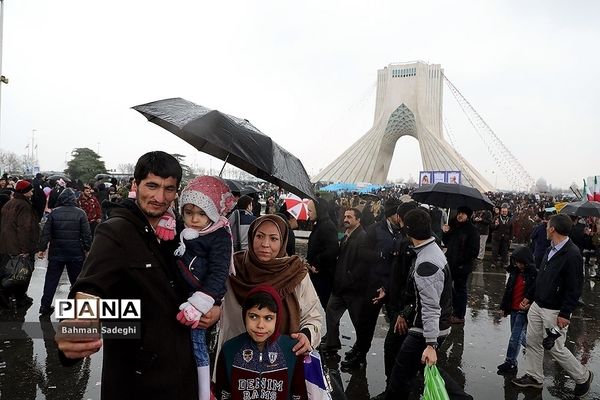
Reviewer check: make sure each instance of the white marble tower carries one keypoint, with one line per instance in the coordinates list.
(409, 102)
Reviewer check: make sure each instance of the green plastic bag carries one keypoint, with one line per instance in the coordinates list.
(435, 387)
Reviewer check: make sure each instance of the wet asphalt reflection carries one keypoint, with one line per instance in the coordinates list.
(29, 366)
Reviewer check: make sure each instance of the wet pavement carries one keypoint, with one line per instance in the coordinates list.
(29, 366)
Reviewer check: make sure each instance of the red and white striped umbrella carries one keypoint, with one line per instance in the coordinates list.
(297, 207)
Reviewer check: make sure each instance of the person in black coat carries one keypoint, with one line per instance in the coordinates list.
(482, 220)
(539, 241)
(519, 286)
(383, 244)
(397, 297)
(462, 241)
(349, 279)
(38, 200)
(558, 286)
(322, 249)
(127, 261)
(68, 232)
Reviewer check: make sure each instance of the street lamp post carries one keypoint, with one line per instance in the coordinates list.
(3, 79)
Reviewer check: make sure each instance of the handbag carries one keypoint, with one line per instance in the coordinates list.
(435, 387)
(17, 271)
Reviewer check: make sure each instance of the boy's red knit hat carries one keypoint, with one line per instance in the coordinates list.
(272, 292)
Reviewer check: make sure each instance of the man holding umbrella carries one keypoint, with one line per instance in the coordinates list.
(462, 240)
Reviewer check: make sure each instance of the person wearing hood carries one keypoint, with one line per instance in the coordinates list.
(322, 249)
(260, 354)
(462, 242)
(520, 289)
(67, 230)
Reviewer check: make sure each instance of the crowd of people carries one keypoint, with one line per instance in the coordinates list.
(204, 255)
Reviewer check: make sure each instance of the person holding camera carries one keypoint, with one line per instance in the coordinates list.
(558, 287)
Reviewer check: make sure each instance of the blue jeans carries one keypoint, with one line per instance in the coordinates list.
(518, 331)
(200, 347)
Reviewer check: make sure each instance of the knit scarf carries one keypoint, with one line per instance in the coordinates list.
(283, 273)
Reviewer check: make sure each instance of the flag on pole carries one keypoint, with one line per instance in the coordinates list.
(316, 385)
(596, 189)
(586, 192)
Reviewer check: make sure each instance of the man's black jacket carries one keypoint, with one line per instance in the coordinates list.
(560, 280)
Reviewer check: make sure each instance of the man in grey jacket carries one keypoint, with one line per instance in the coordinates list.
(430, 309)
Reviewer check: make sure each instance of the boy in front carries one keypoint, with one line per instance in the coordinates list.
(259, 363)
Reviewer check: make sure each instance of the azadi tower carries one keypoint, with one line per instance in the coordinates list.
(409, 102)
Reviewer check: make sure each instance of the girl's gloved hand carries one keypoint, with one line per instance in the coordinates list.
(189, 315)
(165, 229)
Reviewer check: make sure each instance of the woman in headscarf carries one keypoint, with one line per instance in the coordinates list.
(265, 262)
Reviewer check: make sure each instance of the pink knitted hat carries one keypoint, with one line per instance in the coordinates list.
(209, 193)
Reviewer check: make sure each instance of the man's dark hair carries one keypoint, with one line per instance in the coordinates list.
(418, 224)
(561, 223)
(356, 211)
(259, 300)
(404, 208)
(243, 202)
(158, 163)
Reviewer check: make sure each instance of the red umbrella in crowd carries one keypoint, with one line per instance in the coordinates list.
(297, 207)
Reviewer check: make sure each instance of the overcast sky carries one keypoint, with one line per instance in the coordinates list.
(304, 73)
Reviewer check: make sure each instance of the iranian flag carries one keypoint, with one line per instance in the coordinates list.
(586, 191)
(596, 189)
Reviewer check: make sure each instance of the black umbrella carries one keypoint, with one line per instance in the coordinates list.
(56, 177)
(234, 140)
(102, 176)
(452, 195)
(582, 209)
(251, 189)
(369, 196)
(235, 186)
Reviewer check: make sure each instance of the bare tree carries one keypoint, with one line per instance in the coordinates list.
(12, 163)
(126, 168)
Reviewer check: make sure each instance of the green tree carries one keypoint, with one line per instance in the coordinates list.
(85, 164)
(188, 173)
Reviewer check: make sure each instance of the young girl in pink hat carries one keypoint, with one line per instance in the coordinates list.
(204, 253)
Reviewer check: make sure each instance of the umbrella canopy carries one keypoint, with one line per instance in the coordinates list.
(452, 195)
(297, 207)
(582, 209)
(231, 139)
(234, 186)
(370, 188)
(102, 176)
(251, 189)
(368, 196)
(56, 177)
(340, 187)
